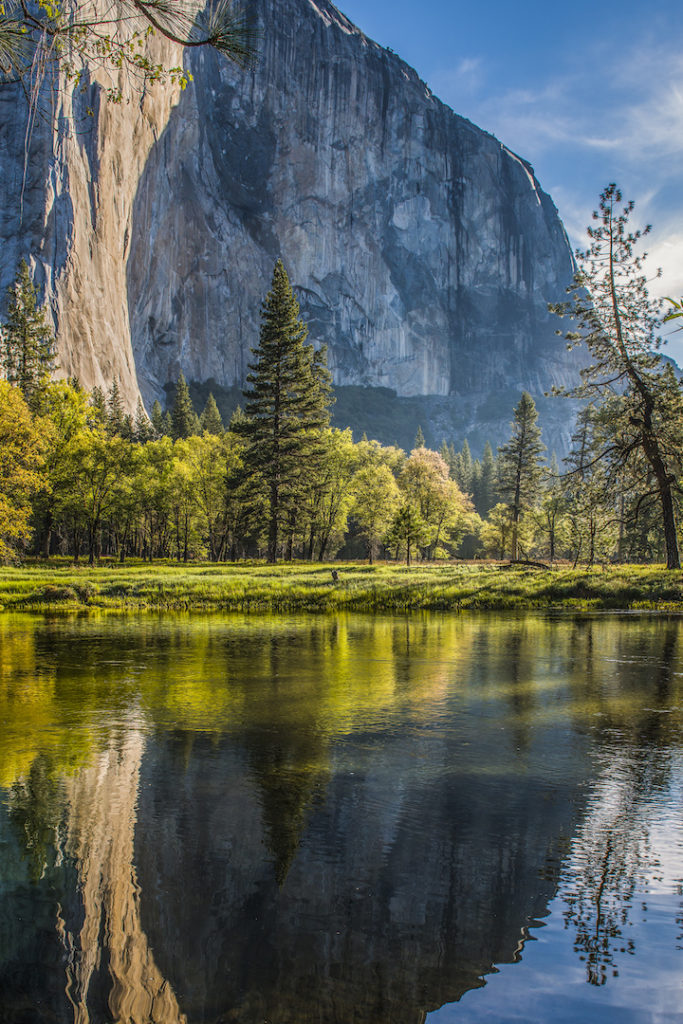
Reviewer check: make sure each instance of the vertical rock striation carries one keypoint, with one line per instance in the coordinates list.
(423, 251)
(68, 179)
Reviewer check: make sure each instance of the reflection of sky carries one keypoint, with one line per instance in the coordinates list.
(549, 983)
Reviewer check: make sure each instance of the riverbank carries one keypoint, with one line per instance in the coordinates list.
(359, 587)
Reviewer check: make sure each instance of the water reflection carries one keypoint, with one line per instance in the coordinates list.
(321, 819)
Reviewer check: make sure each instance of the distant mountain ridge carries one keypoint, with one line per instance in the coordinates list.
(423, 251)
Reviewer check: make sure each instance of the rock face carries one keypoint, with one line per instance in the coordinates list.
(68, 180)
(422, 250)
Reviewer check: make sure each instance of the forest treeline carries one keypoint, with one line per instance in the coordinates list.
(80, 477)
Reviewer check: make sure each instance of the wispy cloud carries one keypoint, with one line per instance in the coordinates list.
(466, 78)
(613, 116)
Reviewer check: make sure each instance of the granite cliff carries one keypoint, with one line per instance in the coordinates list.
(423, 251)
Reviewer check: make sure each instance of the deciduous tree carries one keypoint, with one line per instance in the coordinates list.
(21, 457)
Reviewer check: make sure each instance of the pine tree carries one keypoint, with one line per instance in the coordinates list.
(210, 420)
(419, 438)
(98, 404)
(237, 419)
(617, 321)
(487, 495)
(520, 465)
(158, 418)
(184, 422)
(28, 345)
(286, 406)
(143, 430)
(127, 427)
(115, 413)
(465, 469)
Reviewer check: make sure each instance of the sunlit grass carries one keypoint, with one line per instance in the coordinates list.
(361, 587)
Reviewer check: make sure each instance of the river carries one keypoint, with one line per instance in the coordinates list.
(341, 819)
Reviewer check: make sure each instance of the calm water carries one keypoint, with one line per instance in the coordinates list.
(341, 820)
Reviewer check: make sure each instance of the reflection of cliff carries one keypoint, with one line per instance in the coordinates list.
(84, 931)
(111, 962)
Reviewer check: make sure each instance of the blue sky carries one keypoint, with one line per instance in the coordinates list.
(588, 92)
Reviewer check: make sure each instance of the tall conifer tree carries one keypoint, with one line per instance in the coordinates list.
(487, 496)
(286, 405)
(28, 344)
(639, 394)
(115, 413)
(184, 421)
(210, 420)
(520, 465)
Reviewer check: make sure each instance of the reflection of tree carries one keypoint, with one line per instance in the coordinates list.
(609, 859)
(35, 812)
(612, 857)
(289, 756)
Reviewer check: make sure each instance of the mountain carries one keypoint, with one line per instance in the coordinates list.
(423, 251)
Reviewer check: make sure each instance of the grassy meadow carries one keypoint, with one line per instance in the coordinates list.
(360, 587)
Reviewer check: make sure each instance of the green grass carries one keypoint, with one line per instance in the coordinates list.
(306, 587)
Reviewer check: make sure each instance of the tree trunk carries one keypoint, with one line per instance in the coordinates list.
(47, 535)
(669, 518)
(272, 529)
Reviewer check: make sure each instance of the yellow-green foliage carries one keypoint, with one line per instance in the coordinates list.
(306, 587)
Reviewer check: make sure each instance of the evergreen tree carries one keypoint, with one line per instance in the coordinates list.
(98, 404)
(28, 345)
(286, 406)
(237, 419)
(520, 465)
(184, 420)
(617, 322)
(465, 469)
(115, 413)
(419, 438)
(158, 419)
(210, 420)
(143, 430)
(487, 496)
(476, 481)
(128, 427)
